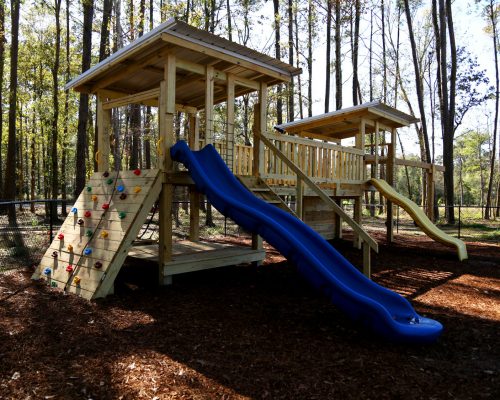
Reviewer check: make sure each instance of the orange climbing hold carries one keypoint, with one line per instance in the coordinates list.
(94, 198)
(104, 234)
(70, 248)
(137, 189)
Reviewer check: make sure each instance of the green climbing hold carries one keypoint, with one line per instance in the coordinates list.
(89, 188)
(109, 181)
(122, 215)
(89, 233)
(53, 284)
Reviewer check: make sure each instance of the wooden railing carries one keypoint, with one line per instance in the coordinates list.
(324, 163)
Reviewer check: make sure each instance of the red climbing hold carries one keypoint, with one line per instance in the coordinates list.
(105, 206)
(69, 268)
(137, 171)
(60, 236)
(87, 214)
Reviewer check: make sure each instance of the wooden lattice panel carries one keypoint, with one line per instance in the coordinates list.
(94, 240)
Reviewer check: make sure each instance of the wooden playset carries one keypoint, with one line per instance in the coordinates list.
(180, 69)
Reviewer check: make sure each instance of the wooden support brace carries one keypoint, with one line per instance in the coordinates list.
(103, 134)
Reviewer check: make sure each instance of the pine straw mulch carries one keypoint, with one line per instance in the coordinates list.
(254, 332)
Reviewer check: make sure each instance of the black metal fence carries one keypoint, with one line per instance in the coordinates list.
(27, 227)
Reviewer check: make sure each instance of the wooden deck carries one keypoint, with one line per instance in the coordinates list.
(196, 256)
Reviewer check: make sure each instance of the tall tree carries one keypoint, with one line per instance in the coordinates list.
(338, 55)
(310, 25)
(10, 167)
(355, 50)
(83, 108)
(2, 57)
(492, 15)
(329, 6)
(277, 54)
(291, 86)
(55, 102)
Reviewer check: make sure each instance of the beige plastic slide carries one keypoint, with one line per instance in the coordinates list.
(419, 217)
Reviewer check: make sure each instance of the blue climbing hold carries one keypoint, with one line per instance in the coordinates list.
(47, 271)
(74, 210)
(120, 188)
(87, 251)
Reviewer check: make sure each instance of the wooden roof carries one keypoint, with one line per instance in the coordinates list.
(138, 67)
(344, 123)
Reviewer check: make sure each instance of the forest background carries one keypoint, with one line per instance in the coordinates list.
(409, 54)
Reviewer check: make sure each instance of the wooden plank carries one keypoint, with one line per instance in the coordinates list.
(103, 135)
(136, 98)
(166, 128)
(209, 104)
(230, 122)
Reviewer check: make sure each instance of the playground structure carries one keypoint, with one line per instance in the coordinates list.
(179, 69)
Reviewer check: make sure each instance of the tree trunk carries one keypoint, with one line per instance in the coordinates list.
(83, 109)
(338, 59)
(10, 167)
(328, 53)
(2, 57)
(309, 57)
(355, 48)
(291, 86)
(277, 54)
(488, 212)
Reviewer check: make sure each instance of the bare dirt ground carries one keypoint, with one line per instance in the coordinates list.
(254, 332)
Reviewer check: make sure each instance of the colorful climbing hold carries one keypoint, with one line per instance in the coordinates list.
(137, 189)
(80, 222)
(53, 284)
(60, 236)
(87, 251)
(105, 174)
(94, 198)
(105, 206)
(69, 268)
(89, 188)
(120, 188)
(122, 215)
(137, 171)
(123, 196)
(109, 181)
(98, 265)
(77, 280)
(47, 271)
(89, 233)
(87, 214)
(54, 254)
(104, 234)
(70, 248)
(74, 210)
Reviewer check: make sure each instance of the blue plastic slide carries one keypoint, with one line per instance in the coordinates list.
(384, 312)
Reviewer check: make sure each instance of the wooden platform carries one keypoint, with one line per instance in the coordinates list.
(196, 256)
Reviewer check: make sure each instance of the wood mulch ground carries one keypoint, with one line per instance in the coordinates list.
(254, 332)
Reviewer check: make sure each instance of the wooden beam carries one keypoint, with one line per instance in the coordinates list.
(137, 98)
(230, 122)
(209, 104)
(166, 132)
(219, 54)
(103, 134)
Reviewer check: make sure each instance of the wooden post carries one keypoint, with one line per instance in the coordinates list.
(259, 127)
(230, 122)
(431, 187)
(391, 161)
(366, 260)
(358, 210)
(299, 199)
(337, 233)
(166, 111)
(103, 133)
(209, 104)
(194, 196)
(358, 201)
(375, 149)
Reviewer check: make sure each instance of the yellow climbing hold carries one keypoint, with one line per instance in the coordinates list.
(104, 234)
(77, 280)
(70, 248)
(137, 189)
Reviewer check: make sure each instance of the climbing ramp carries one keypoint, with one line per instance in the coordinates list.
(93, 242)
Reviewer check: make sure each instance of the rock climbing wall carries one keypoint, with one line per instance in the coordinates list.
(93, 242)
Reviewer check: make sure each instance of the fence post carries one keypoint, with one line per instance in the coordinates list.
(459, 219)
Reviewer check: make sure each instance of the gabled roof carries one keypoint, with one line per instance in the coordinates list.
(139, 66)
(343, 123)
